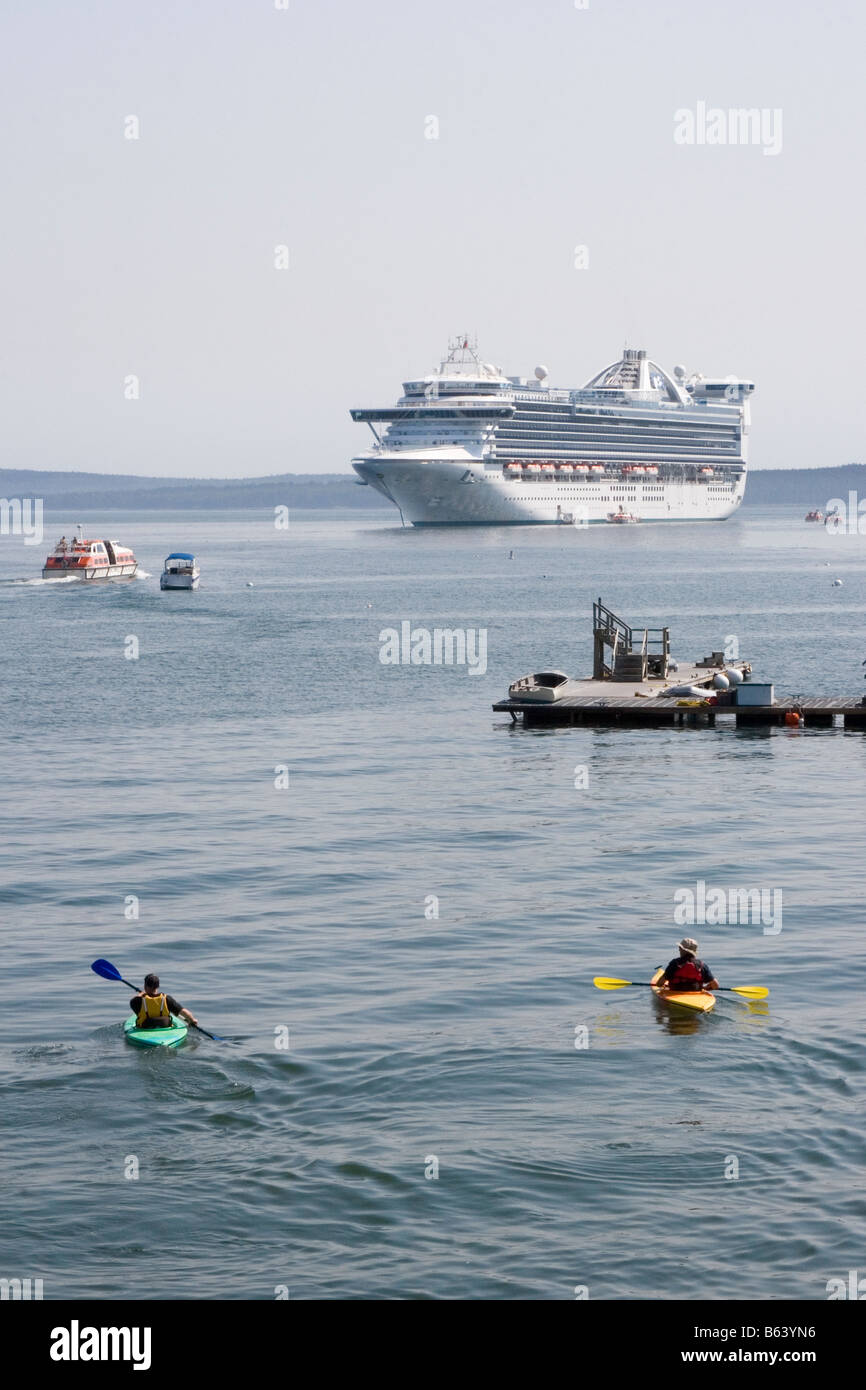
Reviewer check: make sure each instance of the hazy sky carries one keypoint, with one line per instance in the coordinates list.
(307, 126)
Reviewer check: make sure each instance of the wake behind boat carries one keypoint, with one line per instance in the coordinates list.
(90, 559)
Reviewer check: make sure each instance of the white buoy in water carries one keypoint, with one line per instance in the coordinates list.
(250, 584)
(720, 681)
(837, 583)
(734, 676)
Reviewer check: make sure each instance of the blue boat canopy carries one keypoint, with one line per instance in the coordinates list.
(179, 555)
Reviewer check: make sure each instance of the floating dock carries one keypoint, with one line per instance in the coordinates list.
(636, 683)
(818, 712)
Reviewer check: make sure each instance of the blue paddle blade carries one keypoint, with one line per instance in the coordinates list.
(105, 969)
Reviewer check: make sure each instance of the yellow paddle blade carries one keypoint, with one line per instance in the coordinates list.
(607, 982)
(750, 991)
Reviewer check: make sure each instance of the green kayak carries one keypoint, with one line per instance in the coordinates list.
(155, 1037)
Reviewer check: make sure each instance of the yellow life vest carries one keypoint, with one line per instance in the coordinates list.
(154, 1012)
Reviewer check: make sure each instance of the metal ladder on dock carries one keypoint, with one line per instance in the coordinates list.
(634, 653)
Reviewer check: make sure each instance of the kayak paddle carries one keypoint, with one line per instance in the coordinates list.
(750, 991)
(110, 972)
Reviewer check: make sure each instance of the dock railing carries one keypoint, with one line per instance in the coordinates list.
(634, 653)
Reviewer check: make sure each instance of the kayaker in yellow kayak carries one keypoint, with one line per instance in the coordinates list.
(154, 1009)
(685, 972)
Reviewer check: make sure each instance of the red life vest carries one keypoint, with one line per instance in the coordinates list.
(687, 976)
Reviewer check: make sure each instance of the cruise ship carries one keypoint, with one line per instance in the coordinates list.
(467, 445)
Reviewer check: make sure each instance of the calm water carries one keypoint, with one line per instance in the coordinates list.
(412, 1037)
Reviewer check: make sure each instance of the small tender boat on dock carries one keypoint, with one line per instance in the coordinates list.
(181, 571)
(544, 685)
(90, 559)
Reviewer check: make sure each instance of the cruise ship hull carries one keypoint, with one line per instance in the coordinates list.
(466, 492)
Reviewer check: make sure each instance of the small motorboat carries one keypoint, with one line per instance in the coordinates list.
(544, 685)
(89, 559)
(622, 518)
(815, 516)
(180, 572)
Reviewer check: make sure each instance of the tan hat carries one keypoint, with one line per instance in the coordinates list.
(688, 945)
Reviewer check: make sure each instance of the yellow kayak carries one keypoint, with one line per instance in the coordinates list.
(698, 1000)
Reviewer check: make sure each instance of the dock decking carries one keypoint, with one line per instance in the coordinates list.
(819, 711)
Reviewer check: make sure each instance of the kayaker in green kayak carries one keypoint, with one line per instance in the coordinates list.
(685, 972)
(154, 1009)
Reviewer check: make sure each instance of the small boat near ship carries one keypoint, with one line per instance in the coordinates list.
(90, 559)
(623, 518)
(181, 571)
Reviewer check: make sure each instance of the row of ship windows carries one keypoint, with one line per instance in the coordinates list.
(615, 494)
(530, 439)
(561, 411)
(570, 429)
(676, 417)
(596, 498)
(707, 427)
(679, 421)
(552, 429)
(635, 451)
(645, 441)
(515, 431)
